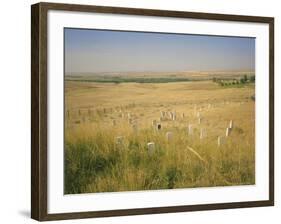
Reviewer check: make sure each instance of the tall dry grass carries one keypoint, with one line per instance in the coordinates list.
(95, 162)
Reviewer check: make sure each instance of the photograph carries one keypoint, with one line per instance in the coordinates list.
(155, 111)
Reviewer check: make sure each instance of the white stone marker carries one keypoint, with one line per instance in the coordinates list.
(221, 140)
(202, 133)
(231, 124)
(151, 147)
(169, 136)
(171, 115)
(227, 132)
(174, 116)
(199, 120)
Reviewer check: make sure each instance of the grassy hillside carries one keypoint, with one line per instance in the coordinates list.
(108, 127)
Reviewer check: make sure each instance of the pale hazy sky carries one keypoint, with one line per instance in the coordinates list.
(93, 51)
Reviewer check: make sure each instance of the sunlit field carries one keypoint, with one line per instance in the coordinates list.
(132, 136)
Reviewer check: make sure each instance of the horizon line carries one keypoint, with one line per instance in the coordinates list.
(187, 71)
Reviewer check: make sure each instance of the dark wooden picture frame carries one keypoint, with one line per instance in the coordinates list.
(39, 107)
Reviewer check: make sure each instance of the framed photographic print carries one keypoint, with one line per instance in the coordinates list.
(139, 111)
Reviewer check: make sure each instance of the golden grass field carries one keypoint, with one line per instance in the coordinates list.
(96, 114)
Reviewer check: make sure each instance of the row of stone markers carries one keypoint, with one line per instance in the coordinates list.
(121, 110)
(84, 115)
(222, 139)
(169, 135)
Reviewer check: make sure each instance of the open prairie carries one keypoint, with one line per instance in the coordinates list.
(146, 136)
